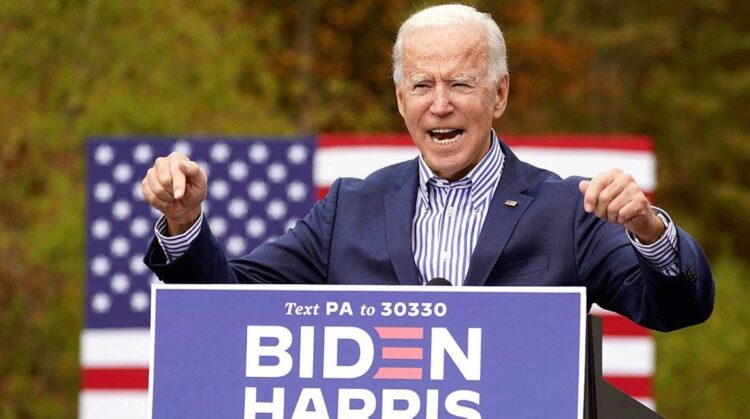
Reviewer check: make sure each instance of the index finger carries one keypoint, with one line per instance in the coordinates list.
(191, 169)
(178, 178)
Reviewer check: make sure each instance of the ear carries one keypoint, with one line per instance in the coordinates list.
(400, 100)
(503, 88)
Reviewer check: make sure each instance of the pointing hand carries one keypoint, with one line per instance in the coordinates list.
(176, 186)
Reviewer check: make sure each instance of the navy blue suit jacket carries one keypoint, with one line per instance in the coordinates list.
(361, 234)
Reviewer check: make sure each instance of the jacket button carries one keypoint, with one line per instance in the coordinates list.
(691, 277)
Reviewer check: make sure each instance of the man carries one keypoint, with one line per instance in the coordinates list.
(467, 209)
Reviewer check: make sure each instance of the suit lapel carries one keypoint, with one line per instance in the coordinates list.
(500, 222)
(506, 208)
(399, 214)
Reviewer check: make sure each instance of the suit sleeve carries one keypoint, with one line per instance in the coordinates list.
(618, 278)
(299, 256)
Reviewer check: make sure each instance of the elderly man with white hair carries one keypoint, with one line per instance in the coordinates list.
(466, 210)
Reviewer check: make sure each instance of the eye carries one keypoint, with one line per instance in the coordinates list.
(420, 88)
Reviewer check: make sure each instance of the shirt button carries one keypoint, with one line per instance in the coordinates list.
(450, 211)
(444, 255)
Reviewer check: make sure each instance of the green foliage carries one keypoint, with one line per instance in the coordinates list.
(69, 70)
(678, 71)
(703, 371)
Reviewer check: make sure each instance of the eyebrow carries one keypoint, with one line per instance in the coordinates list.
(464, 78)
(460, 78)
(419, 78)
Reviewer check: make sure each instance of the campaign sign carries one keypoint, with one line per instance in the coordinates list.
(355, 352)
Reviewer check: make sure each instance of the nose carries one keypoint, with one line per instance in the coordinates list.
(441, 101)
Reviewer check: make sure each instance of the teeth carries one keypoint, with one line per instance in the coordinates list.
(445, 141)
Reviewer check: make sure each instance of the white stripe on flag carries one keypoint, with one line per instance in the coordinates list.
(121, 404)
(598, 311)
(628, 356)
(115, 347)
(332, 163)
(648, 402)
(589, 162)
(360, 161)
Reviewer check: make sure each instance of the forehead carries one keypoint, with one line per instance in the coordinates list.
(445, 49)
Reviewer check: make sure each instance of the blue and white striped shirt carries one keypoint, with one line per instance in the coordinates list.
(662, 254)
(449, 217)
(176, 246)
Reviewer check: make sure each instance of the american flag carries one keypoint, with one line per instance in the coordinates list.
(258, 188)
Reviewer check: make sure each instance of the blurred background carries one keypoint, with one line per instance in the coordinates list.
(677, 71)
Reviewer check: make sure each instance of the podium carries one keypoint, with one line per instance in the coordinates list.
(602, 400)
(377, 351)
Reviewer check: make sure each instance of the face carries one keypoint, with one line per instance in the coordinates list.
(447, 97)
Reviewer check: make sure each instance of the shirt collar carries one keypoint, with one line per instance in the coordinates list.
(481, 179)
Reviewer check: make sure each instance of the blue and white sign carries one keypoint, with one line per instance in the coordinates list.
(366, 352)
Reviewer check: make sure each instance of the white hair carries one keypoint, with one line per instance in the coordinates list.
(452, 15)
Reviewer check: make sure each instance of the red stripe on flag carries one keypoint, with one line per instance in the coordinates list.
(114, 378)
(358, 140)
(621, 142)
(639, 386)
(622, 326)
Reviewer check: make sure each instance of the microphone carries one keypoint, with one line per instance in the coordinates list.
(439, 281)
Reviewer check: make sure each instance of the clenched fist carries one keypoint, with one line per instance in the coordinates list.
(176, 186)
(615, 197)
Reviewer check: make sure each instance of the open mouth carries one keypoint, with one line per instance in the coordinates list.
(445, 136)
